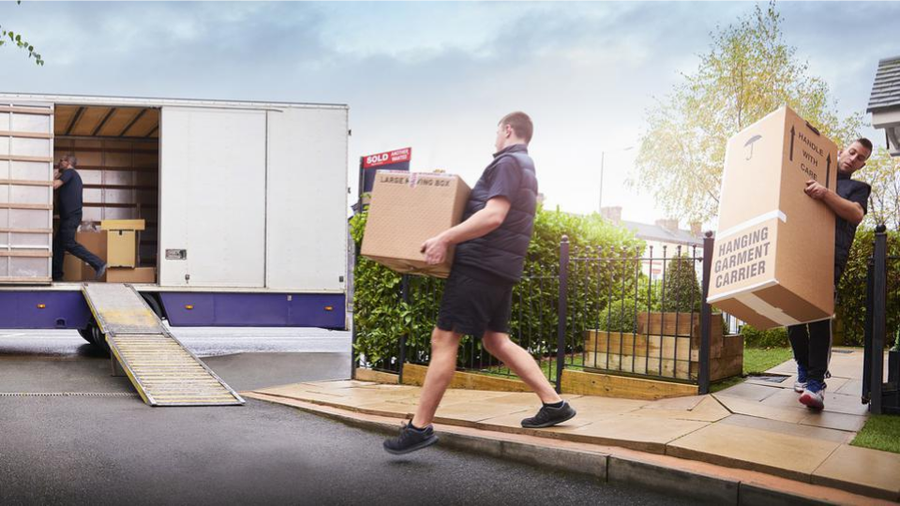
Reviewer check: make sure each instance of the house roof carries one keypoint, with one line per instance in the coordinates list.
(661, 234)
(886, 89)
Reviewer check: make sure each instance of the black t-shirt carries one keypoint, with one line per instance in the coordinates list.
(501, 179)
(844, 231)
(70, 193)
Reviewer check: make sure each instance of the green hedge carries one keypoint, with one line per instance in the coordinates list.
(381, 318)
(851, 308)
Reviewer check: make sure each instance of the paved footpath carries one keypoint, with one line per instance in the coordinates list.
(748, 441)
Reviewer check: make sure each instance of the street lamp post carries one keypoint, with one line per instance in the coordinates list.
(602, 163)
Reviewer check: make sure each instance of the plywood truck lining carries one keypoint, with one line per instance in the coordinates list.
(121, 180)
(107, 121)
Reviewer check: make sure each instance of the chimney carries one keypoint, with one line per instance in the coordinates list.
(612, 214)
(696, 228)
(670, 224)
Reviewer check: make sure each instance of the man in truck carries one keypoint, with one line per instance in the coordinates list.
(69, 186)
(811, 342)
(492, 241)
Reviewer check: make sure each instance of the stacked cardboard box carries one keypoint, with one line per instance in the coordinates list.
(116, 244)
(406, 210)
(774, 253)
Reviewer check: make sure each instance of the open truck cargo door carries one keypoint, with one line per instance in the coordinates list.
(26, 193)
(212, 197)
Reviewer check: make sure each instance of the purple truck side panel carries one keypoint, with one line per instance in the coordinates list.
(62, 310)
(254, 310)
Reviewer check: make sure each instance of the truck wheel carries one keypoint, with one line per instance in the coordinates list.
(86, 334)
(154, 304)
(99, 338)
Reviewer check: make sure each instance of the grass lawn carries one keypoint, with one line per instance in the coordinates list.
(881, 432)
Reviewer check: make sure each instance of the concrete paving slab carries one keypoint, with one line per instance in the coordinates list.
(513, 423)
(750, 392)
(468, 413)
(785, 381)
(676, 403)
(832, 420)
(793, 429)
(848, 404)
(707, 410)
(594, 404)
(862, 470)
(640, 433)
(759, 450)
(753, 408)
(850, 387)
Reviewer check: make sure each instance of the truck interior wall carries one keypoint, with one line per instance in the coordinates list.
(121, 181)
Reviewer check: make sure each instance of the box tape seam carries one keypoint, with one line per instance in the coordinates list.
(765, 309)
(738, 291)
(752, 222)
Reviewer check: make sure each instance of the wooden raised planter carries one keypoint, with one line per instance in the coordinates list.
(665, 345)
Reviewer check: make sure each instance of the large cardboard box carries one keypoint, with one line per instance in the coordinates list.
(128, 275)
(74, 269)
(406, 210)
(773, 263)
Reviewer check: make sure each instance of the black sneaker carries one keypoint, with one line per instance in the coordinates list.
(410, 440)
(549, 416)
(100, 272)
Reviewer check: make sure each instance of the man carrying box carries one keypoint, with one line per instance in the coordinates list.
(492, 242)
(811, 342)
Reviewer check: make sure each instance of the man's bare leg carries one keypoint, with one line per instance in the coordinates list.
(522, 363)
(444, 348)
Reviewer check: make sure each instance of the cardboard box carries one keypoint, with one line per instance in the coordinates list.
(121, 248)
(128, 275)
(773, 262)
(74, 269)
(122, 241)
(406, 210)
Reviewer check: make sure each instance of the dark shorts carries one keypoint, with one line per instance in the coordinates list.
(475, 301)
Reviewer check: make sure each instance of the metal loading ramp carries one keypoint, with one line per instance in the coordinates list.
(162, 370)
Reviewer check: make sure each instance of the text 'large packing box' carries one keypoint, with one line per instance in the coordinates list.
(773, 261)
(406, 210)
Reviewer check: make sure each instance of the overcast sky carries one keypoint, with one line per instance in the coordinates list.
(438, 76)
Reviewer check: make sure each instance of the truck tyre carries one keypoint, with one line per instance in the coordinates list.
(154, 304)
(86, 334)
(98, 338)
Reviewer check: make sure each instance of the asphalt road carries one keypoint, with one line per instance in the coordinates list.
(71, 434)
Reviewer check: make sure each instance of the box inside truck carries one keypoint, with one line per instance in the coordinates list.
(117, 149)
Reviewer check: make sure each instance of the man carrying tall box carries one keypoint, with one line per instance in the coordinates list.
(787, 216)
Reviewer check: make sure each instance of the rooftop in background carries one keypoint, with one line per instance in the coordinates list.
(884, 103)
(886, 89)
(664, 231)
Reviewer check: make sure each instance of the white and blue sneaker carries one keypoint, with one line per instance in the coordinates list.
(813, 397)
(800, 384)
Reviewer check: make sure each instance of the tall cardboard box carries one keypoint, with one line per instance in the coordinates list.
(406, 210)
(122, 242)
(773, 263)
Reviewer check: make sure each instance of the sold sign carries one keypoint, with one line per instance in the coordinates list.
(387, 158)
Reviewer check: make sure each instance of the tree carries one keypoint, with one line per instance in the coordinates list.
(883, 173)
(16, 38)
(682, 291)
(748, 72)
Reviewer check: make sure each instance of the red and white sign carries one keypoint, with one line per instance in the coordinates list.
(387, 158)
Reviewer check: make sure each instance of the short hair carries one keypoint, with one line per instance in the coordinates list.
(72, 159)
(521, 125)
(866, 143)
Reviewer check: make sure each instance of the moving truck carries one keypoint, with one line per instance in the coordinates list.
(244, 206)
